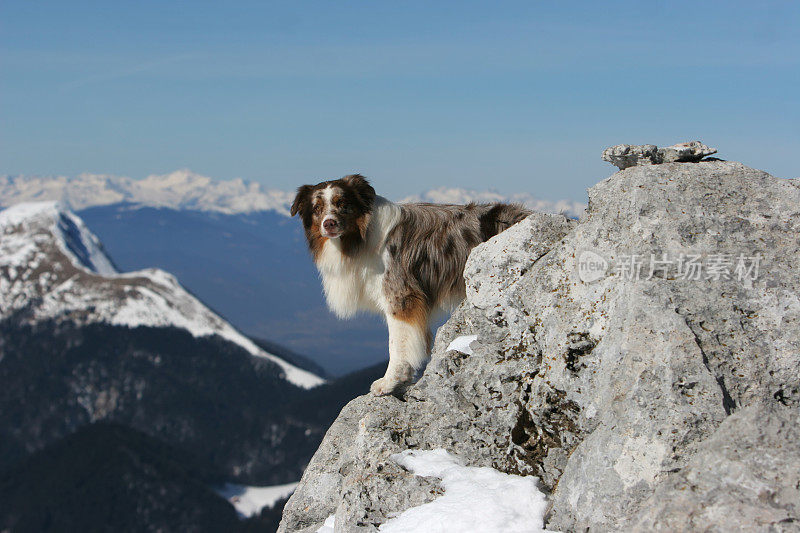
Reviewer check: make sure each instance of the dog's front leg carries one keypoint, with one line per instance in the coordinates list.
(409, 341)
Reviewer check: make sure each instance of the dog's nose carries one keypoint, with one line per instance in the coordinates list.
(330, 224)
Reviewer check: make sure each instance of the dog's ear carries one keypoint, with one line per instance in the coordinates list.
(362, 188)
(303, 195)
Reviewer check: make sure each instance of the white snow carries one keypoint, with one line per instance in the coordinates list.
(329, 525)
(462, 344)
(101, 264)
(29, 215)
(249, 501)
(181, 309)
(475, 499)
(151, 297)
(20, 213)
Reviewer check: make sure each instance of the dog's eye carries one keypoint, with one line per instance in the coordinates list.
(317, 208)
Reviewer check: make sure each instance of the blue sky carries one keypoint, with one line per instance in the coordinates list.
(515, 96)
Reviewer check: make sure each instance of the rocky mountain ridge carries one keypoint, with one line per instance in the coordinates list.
(642, 363)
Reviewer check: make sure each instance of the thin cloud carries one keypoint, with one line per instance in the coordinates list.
(122, 73)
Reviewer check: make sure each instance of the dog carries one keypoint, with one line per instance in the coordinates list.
(403, 261)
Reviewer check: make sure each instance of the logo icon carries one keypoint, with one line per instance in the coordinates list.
(591, 266)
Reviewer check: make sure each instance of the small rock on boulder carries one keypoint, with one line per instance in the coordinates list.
(630, 155)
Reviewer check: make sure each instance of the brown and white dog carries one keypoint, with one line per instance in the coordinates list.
(403, 261)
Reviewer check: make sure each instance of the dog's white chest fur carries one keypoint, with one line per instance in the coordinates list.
(350, 284)
(355, 283)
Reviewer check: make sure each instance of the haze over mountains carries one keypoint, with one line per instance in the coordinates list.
(184, 189)
(232, 244)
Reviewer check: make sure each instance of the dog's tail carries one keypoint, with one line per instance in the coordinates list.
(500, 217)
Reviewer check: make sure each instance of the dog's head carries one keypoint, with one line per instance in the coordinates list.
(338, 209)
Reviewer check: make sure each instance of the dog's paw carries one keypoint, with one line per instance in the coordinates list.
(383, 386)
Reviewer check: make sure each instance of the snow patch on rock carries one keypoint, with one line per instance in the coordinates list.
(474, 499)
(329, 526)
(462, 344)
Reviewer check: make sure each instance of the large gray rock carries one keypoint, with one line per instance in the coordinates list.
(642, 401)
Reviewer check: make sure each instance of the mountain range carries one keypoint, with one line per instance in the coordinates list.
(184, 189)
(181, 189)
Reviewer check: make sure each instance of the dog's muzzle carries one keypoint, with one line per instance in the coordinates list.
(330, 227)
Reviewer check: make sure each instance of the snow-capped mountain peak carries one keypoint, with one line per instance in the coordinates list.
(52, 266)
(70, 234)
